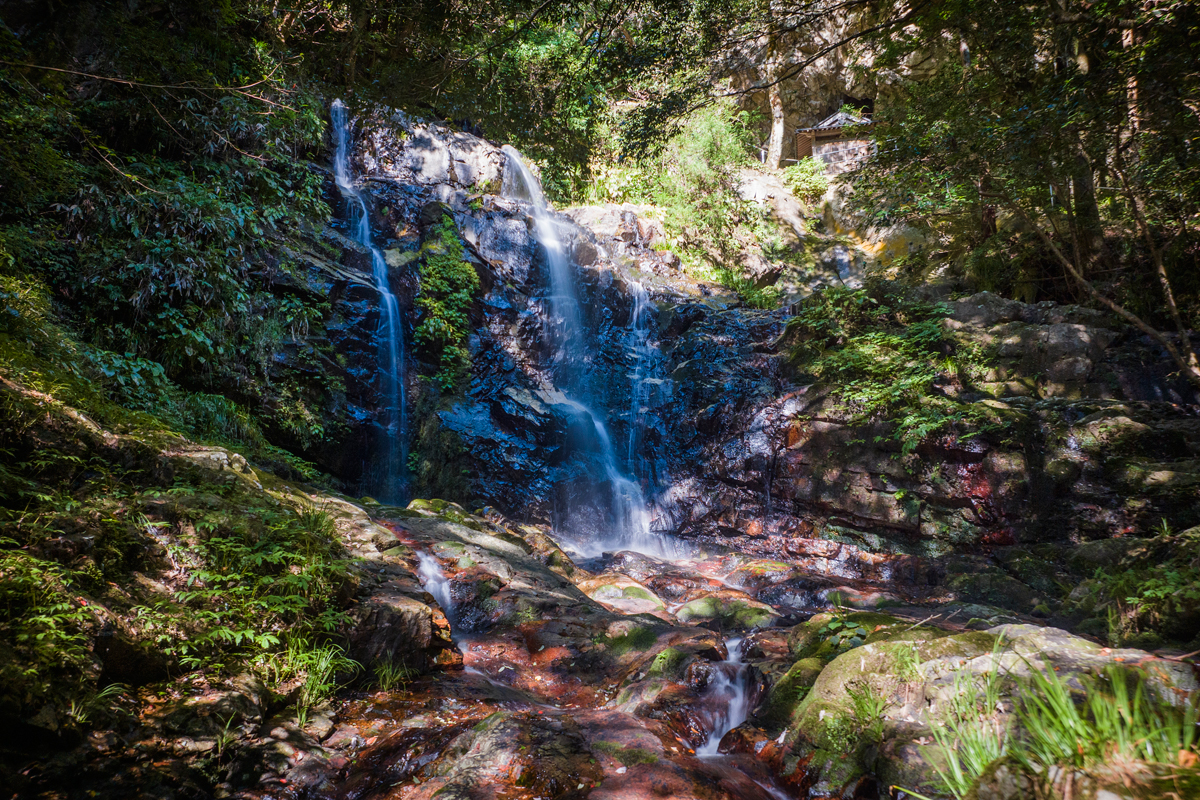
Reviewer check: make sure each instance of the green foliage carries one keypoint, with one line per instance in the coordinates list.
(256, 573)
(692, 182)
(973, 735)
(321, 667)
(1008, 265)
(869, 705)
(79, 711)
(885, 353)
(629, 756)
(41, 624)
(806, 179)
(392, 674)
(843, 633)
(908, 663)
(1116, 720)
(449, 286)
(1033, 143)
(254, 578)
(150, 212)
(752, 295)
(1152, 595)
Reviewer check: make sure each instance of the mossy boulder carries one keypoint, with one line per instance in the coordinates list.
(727, 611)
(621, 593)
(786, 693)
(829, 726)
(977, 580)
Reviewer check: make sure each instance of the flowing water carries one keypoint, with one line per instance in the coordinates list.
(497, 674)
(730, 685)
(434, 581)
(627, 522)
(644, 355)
(389, 476)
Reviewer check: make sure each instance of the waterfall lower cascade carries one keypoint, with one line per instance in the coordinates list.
(434, 581)
(628, 523)
(731, 685)
(389, 481)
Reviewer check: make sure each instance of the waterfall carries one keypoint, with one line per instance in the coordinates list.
(390, 481)
(434, 581)
(628, 523)
(643, 360)
(732, 685)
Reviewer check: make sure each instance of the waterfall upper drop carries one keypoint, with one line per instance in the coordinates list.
(620, 499)
(387, 479)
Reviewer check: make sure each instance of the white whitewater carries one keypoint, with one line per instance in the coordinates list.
(429, 573)
(643, 351)
(731, 684)
(391, 483)
(629, 524)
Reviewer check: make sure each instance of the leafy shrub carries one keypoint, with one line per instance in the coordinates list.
(885, 353)
(692, 182)
(1152, 595)
(154, 230)
(806, 179)
(449, 285)
(253, 579)
(44, 653)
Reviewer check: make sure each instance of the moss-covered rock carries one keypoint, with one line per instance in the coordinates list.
(621, 593)
(788, 691)
(727, 610)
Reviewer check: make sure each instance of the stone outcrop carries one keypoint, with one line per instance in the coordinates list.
(735, 447)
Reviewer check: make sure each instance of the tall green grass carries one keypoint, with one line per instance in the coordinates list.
(1116, 724)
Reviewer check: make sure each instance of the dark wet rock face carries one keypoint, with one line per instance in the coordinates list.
(723, 439)
(600, 678)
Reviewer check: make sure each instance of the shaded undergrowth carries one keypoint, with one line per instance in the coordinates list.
(891, 359)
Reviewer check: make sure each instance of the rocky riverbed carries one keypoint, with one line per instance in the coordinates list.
(539, 677)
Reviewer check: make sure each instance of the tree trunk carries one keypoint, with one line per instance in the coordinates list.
(774, 68)
(360, 18)
(1087, 212)
(775, 144)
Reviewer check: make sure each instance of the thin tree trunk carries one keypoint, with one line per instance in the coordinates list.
(774, 68)
(1137, 204)
(1186, 365)
(775, 144)
(1087, 211)
(1128, 40)
(360, 18)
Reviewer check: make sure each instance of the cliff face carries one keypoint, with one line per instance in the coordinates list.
(818, 82)
(731, 443)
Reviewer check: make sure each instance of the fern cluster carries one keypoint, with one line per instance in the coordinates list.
(449, 286)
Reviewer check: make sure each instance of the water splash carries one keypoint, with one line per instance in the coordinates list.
(732, 684)
(434, 581)
(627, 526)
(391, 483)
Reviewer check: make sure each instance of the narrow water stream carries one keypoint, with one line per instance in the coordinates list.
(434, 581)
(389, 476)
(628, 523)
(730, 685)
